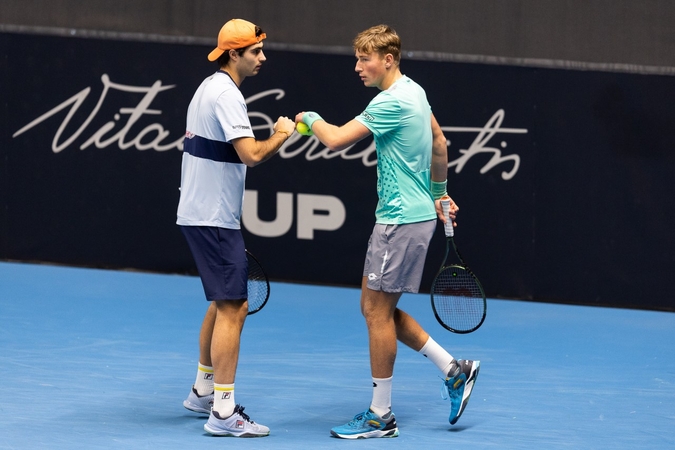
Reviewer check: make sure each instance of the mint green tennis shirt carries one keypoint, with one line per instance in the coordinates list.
(400, 120)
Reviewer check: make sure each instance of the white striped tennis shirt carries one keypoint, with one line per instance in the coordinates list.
(212, 175)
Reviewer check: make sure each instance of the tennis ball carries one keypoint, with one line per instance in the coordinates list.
(303, 129)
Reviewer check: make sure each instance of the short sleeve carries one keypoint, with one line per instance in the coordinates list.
(232, 115)
(382, 115)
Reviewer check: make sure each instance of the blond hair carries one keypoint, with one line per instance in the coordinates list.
(381, 39)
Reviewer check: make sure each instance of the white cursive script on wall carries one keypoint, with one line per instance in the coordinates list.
(97, 138)
(154, 136)
(485, 134)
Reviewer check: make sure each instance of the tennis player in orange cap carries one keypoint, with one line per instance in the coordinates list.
(218, 148)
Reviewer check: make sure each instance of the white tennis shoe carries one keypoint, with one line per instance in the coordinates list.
(238, 424)
(197, 403)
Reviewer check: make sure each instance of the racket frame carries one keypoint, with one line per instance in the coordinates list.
(255, 309)
(450, 241)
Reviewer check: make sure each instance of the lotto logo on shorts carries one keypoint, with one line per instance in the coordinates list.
(372, 276)
(227, 395)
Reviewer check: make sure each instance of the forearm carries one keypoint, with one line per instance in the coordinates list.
(333, 137)
(253, 152)
(439, 167)
(272, 145)
(330, 135)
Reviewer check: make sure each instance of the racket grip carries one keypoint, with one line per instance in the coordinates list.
(445, 204)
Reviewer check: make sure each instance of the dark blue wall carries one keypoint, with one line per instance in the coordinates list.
(563, 177)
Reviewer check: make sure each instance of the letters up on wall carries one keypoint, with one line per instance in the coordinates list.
(563, 178)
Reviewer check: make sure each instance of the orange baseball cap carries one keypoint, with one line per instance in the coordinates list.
(235, 34)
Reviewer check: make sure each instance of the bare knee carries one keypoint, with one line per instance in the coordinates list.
(233, 311)
(378, 307)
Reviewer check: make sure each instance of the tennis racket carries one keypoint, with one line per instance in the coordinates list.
(457, 297)
(258, 285)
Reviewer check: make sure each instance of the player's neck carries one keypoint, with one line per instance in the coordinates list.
(392, 77)
(233, 74)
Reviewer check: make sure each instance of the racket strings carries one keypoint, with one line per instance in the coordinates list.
(458, 299)
(258, 287)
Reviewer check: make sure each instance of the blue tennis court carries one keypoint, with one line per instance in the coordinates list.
(103, 359)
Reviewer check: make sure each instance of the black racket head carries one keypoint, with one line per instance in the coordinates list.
(258, 285)
(458, 299)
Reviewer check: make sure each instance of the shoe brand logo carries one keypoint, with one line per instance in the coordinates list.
(239, 424)
(226, 395)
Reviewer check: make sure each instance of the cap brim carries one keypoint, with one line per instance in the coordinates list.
(215, 54)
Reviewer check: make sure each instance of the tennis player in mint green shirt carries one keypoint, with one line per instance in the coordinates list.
(400, 120)
(412, 165)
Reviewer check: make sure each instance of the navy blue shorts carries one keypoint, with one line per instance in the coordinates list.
(220, 256)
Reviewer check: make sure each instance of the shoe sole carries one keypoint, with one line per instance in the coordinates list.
(370, 434)
(468, 388)
(224, 433)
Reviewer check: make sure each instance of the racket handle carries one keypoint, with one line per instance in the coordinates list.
(449, 229)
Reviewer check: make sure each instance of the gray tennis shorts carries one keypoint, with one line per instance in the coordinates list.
(396, 255)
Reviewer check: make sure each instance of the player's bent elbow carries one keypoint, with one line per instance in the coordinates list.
(440, 145)
(249, 159)
(335, 145)
(252, 157)
(252, 161)
(336, 148)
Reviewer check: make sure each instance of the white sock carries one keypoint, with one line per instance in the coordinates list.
(437, 354)
(204, 381)
(381, 403)
(223, 399)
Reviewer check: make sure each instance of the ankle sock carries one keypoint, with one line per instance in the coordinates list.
(204, 381)
(223, 399)
(437, 354)
(381, 403)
